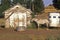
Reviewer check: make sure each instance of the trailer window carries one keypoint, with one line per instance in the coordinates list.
(49, 16)
(58, 16)
(54, 16)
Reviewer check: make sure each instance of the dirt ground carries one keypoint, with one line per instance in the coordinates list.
(29, 34)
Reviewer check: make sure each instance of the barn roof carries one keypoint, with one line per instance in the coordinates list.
(50, 8)
(16, 8)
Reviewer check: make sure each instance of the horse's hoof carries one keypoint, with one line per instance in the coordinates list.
(47, 29)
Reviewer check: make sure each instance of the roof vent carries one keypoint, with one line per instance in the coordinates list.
(17, 7)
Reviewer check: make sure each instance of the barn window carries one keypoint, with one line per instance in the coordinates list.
(49, 16)
(54, 16)
(58, 16)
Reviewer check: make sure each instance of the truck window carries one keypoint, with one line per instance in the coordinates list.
(54, 16)
(58, 16)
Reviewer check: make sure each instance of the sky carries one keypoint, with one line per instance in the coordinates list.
(47, 2)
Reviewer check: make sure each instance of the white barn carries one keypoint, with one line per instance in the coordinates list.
(17, 16)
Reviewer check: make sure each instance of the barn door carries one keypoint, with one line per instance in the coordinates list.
(18, 19)
(22, 19)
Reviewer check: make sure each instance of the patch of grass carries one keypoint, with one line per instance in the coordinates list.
(14, 37)
(37, 37)
(50, 37)
(2, 22)
(32, 26)
(58, 37)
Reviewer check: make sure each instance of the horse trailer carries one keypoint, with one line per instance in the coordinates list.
(54, 19)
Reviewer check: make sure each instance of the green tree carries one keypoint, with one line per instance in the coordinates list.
(29, 4)
(38, 6)
(35, 5)
(56, 4)
(22, 2)
(5, 5)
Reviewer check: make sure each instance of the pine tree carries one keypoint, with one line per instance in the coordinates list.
(38, 6)
(5, 5)
(56, 4)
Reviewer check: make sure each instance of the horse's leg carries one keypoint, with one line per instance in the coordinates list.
(47, 25)
(38, 26)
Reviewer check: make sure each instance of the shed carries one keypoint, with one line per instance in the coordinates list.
(17, 16)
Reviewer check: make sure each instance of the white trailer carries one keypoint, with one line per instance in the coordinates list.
(54, 19)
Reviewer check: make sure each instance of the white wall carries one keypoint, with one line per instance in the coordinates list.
(20, 16)
(54, 21)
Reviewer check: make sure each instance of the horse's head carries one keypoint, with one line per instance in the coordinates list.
(34, 19)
